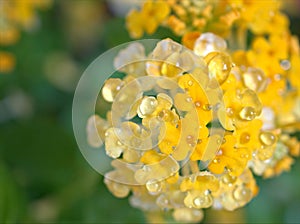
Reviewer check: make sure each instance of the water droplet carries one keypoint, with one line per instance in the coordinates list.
(219, 66)
(147, 106)
(197, 104)
(242, 194)
(153, 186)
(285, 65)
(277, 77)
(221, 140)
(267, 138)
(228, 179)
(228, 202)
(229, 112)
(255, 79)
(219, 152)
(244, 138)
(244, 155)
(204, 201)
(164, 115)
(191, 140)
(190, 82)
(198, 201)
(209, 42)
(111, 88)
(189, 137)
(251, 102)
(216, 160)
(207, 192)
(189, 99)
(207, 107)
(146, 168)
(229, 169)
(265, 153)
(174, 169)
(248, 113)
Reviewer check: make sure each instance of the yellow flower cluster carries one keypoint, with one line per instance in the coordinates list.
(194, 17)
(189, 127)
(270, 66)
(189, 15)
(16, 15)
(148, 19)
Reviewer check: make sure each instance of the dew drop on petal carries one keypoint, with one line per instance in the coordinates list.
(204, 201)
(250, 99)
(153, 186)
(207, 107)
(146, 168)
(247, 113)
(183, 102)
(128, 55)
(190, 82)
(229, 112)
(244, 138)
(265, 153)
(111, 88)
(285, 65)
(147, 106)
(191, 140)
(164, 115)
(228, 179)
(189, 99)
(197, 104)
(255, 79)
(219, 152)
(216, 161)
(198, 201)
(267, 138)
(221, 141)
(209, 42)
(165, 48)
(219, 66)
(242, 194)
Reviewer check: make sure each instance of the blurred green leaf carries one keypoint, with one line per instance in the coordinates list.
(273, 203)
(102, 207)
(41, 154)
(11, 202)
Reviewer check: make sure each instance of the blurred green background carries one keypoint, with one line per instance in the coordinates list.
(43, 176)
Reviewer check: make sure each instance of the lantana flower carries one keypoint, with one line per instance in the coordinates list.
(154, 12)
(210, 116)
